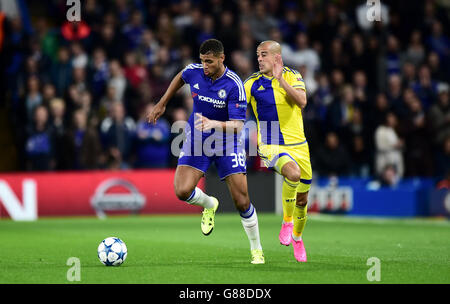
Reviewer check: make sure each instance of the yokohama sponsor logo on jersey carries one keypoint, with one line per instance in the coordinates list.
(216, 102)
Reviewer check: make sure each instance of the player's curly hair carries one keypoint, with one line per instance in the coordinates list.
(213, 46)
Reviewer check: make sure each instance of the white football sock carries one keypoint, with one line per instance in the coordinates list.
(249, 221)
(199, 198)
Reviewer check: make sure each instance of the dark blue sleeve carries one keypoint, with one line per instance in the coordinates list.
(237, 103)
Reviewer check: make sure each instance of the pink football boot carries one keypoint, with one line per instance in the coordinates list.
(285, 235)
(299, 250)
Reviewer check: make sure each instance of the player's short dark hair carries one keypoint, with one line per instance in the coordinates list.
(213, 46)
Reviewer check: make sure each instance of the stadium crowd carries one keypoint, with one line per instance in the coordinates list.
(77, 93)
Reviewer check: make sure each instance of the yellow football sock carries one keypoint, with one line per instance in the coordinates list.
(289, 197)
(299, 221)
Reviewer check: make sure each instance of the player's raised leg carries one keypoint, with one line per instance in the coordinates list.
(300, 218)
(186, 180)
(291, 180)
(237, 185)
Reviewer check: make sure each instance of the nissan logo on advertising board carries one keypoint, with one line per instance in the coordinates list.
(103, 201)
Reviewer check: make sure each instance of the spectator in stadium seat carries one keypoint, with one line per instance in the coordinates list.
(117, 131)
(152, 142)
(425, 87)
(99, 73)
(110, 40)
(166, 32)
(39, 147)
(355, 127)
(335, 58)
(157, 82)
(134, 30)
(48, 93)
(393, 58)
(332, 158)
(395, 96)
(360, 157)
(148, 48)
(79, 79)
(82, 148)
(165, 60)
(191, 30)
(134, 71)
(327, 29)
(290, 25)
(416, 51)
(247, 46)
(337, 82)
(106, 102)
(33, 97)
(322, 98)
(261, 23)
(341, 109)
(359, 57)
(388, 146)
(310, 81)
(57, 116)
(418, 157)
(58, 128)
(122, 10)
(303, 54)
(378, 112)
(43, 61)
(408, 74)
(439, 116)
(79, 57)
(439, 42)
(363, 92)
(207, 29)
(185, 55)
(243, 66)
(437, 70)
(228, 33)
(118, 80)
(61, 71)
(85, 103)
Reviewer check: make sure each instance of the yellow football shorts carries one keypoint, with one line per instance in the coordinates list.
(276, 156)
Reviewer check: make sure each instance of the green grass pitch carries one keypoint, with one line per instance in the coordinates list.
(172, 249)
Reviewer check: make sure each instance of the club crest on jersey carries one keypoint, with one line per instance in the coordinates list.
(222, 94)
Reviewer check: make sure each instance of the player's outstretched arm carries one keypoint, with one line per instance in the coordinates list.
(159, 109)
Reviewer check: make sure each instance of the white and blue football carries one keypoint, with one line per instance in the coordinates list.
(112, 251)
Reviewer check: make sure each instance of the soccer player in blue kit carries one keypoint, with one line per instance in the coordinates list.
(213, 134)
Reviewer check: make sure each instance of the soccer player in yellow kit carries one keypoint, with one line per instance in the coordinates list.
(277, 95)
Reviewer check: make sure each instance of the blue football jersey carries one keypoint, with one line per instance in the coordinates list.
(223, 99)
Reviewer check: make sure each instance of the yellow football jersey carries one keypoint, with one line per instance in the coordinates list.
(279, 119)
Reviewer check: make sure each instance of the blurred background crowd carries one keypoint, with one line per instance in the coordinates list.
(75, 94)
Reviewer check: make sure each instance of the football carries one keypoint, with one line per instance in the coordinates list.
(112, 251)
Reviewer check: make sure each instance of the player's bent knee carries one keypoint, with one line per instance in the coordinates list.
(183, 193)
(291, 171)
(241, 202)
